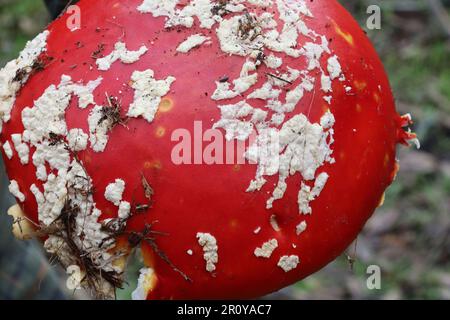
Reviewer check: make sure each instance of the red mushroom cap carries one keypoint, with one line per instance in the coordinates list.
(242, 144)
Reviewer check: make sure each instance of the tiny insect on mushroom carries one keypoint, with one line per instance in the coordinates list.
(292, 87)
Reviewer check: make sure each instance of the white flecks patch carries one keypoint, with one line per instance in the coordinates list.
(77, 140)
(266, 249)
(313, 52)
(202, 9)
(68, 183)
(206, 11)
(15, 191)
(306, 194)
(99, 127)
(294, 96)
(286, 78)
(273, 62)
(144, 284)
(114, 191)
(10, 84)
(22, 148)
(148, 94)
(84, 92)
(274, 223)
(257, 230)
(301, 227)
(8, 150)
(334, 67)
(256, 185)
(283, 42)
(47, 118)
(210, 250)
(48, 114)
(166, 9)
(327, 122)
(305, 147)
(233, 42)
(57, 156)
(266, 92)
(289, 263)
(261, 3)
(232, 122)
(282, 147)
(192, 42)
(277, 119)
(121, 53)
(71, 186)
(37, 194)
(240, 85)
(124, 210)
(298, 147)
(51, 201)
(326, 83)
(190, 252)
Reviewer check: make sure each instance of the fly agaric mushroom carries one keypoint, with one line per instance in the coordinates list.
(294, 133)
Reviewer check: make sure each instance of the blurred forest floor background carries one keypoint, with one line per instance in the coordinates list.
(409, 237)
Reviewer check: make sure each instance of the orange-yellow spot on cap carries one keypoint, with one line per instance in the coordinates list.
(160, 132)
(87, 159)
(342, 155)
(166, 105)
(382, 200)
(234, 223)
(360, 85)
(387, 159)
(121, 244)
(236, 168)
(155, 164)
(377, 97)
(358, 107)
(345, 35)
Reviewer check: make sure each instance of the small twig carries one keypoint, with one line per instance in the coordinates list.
(148, 190)
(278, 78)
(351, 258)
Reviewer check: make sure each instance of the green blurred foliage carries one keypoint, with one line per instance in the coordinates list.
(20, 20)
